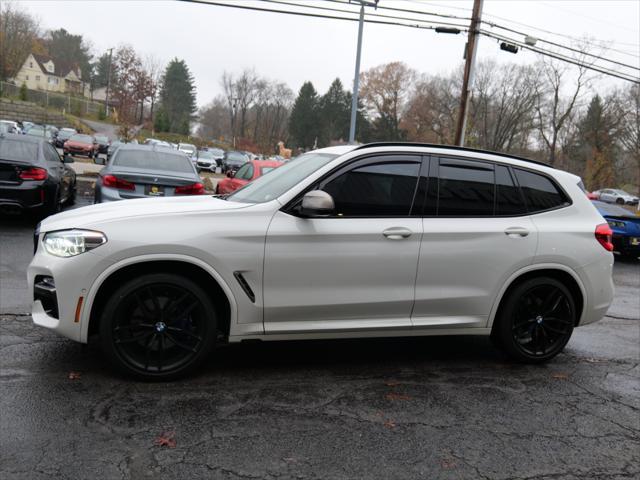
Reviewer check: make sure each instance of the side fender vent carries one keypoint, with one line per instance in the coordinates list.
(245, 286)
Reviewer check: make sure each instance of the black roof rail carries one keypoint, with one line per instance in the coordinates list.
(447, 147)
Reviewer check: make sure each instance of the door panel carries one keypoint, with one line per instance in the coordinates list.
(356, 269)
(477, 233)
(463, 264)
(322, 272)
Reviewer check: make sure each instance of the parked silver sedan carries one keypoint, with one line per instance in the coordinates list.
(138, 171)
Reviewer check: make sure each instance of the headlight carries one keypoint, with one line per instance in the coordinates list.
(69, 243)
(614, 223)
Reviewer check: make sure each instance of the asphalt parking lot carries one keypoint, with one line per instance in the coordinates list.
(401, 408)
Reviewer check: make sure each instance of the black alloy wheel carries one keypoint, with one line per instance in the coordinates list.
(158, 327)
(536, 321)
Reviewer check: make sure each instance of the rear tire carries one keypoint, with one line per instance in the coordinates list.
(535, 321)
(158, 327)
(620, 201)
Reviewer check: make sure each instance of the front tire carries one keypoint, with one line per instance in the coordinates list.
(536, 320)
(620, 201)
(158, 327)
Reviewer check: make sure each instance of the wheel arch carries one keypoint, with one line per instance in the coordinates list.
(191, 267)
(564, 274)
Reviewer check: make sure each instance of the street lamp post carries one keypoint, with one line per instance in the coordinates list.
(356, 78)
(106, 97)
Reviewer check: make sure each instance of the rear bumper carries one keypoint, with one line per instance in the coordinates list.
(597, 279)
(26, 196)
(623, 245)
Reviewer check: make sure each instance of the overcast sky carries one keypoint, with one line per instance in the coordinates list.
(293, 49)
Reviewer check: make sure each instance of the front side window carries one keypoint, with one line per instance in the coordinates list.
(539, 191)
(465, 188)
(379, 189)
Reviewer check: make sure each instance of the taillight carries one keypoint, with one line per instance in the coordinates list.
(34, 173)
(115, 182)
(193, 189)
(604, 235)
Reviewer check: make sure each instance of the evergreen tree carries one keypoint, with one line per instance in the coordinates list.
(68, 50)
(304, 121)
(335, 114)
(177, 98)
(597, 133)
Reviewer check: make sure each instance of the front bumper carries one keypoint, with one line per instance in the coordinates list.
(73, 277)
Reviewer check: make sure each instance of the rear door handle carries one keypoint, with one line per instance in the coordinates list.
(516, 232)
(397, 233)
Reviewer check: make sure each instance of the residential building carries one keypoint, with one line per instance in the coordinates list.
(39, 72)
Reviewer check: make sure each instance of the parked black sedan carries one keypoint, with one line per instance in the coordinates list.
(103, 143)
(64, 135)
(33, 176)
(232, 161)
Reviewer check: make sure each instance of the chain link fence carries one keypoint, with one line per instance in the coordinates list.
(65, 103)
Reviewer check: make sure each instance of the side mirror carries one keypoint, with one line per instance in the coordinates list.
(230, 173)
(317, 203)
(66, 158)
(98, 160)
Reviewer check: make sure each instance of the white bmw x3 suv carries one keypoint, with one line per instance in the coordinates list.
(351, 241)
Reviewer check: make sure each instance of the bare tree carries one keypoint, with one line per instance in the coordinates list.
(19, 31)
(502, 106)
(553, 109)
(384, 91)
(154, 68)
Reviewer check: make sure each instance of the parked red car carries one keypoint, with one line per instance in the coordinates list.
(245, 174)
(81, 144)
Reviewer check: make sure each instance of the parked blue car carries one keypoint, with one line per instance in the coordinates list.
(625, 226)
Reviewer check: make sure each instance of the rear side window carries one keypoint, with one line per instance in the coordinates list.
(375, 190)
(539, 191)
(509, 200)
(153, 161)
(465, 188)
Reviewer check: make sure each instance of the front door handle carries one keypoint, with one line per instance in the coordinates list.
(397, 233)
(516, 232)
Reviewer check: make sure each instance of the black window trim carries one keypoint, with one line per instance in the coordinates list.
(420, 158)
(434, 174)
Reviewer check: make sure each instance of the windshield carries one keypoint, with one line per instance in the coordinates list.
(216, 151)
(100, 138)
(621, 192)
(205, 154)
(82, 138)
(187, 147)
(282, 179)
(36, 131)
(150, 160)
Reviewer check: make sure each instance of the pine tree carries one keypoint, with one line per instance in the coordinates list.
(177, 97)
(304, 121)
(597, 131)
(335, 114)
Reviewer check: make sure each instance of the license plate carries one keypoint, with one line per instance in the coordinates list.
(634, 240)
(154, 191)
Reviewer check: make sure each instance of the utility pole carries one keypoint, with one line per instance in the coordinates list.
(356, 78)
(106, 97)
(470, 60)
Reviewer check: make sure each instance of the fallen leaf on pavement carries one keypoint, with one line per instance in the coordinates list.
(392, 383)
(166, 440)
(560, 376)
(74, 375)
(396, 396)
(389, 424)
(447, 464)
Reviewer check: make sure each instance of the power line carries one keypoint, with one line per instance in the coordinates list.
(405, 10)
(368, 14)
(558, 56)
(575, 39)
(420, 25)
(582, 52)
